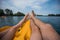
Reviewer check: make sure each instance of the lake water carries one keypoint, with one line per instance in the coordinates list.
(13, 20)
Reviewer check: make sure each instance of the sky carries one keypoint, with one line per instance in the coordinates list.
(42, 7)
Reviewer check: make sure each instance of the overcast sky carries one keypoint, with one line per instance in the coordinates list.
(39, 6)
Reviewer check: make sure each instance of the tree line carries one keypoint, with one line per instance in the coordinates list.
(8, 12)
(53, 14)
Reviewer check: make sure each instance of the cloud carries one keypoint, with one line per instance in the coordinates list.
(22, 4)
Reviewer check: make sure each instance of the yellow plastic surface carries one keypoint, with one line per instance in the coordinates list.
(23, 33)
(4, 28)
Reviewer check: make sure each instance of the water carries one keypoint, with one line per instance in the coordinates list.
(53, 20)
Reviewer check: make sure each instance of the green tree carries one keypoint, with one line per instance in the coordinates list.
(57, 14)
(19, 14)
(51, 14)
(11, 12)
(1, 12)
(8, 12)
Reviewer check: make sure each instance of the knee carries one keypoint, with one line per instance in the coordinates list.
(35, 29)
(48, 25)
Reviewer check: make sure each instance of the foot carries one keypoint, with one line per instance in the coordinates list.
(33, 12)
(21, 22)
(32, 15)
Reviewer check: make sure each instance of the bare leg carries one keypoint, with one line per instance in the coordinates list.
(10, 34)
(48, 33)
(36, 35)
(3, 33)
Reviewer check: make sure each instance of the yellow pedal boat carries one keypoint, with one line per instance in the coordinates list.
(22, 33)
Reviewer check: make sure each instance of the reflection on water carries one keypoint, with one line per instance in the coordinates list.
(54, 21)
(9, 20)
